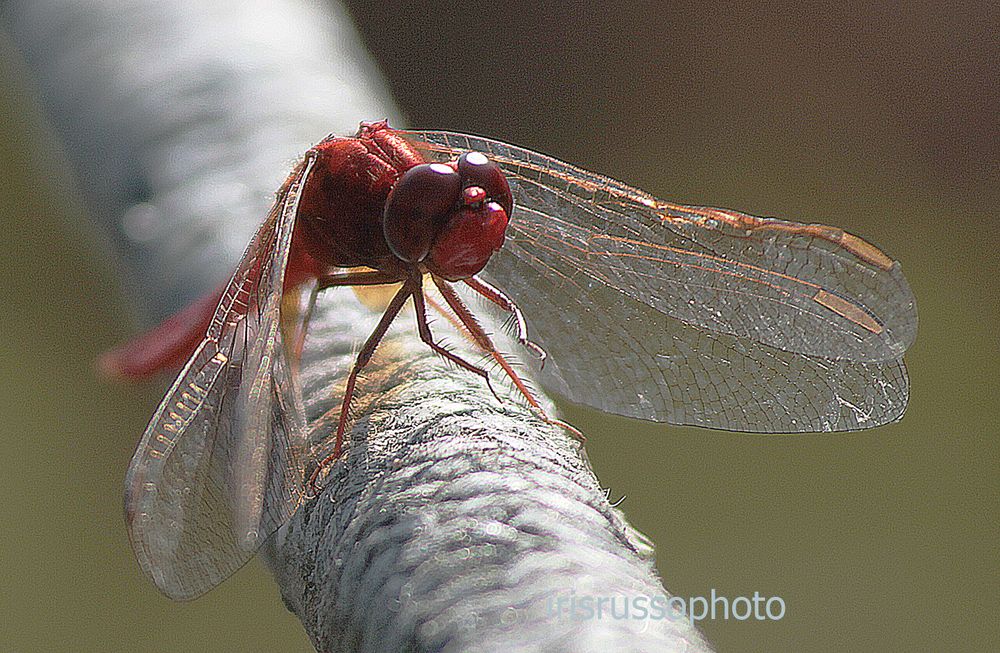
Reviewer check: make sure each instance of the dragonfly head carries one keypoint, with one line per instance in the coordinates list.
(450, 216)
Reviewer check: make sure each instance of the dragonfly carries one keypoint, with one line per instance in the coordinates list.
(636, 306)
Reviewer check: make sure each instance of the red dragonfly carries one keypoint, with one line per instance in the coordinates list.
(640, 307)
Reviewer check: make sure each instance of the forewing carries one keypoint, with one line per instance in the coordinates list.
(695, 315)
(218, 468)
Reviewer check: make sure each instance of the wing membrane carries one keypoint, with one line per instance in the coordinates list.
(218, 470)
(696, 315)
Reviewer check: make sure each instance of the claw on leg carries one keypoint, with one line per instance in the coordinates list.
(484, 342)
(497, 296)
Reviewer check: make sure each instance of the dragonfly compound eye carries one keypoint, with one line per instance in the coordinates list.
(477, 170)
(418, 207)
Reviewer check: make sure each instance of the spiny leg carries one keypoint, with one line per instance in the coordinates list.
(347, 278)
(450, 316)
(364, 356)
(303, 326)
(425, 334)
(498, 297)
(357, 278)
(462, 329)
(482, 339)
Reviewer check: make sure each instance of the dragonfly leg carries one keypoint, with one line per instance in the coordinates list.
(498, 297)
(364, 356)
(321, 283)
(348, 278)
(425, 334)
(303, 326)
(482, 339)
(356, 278)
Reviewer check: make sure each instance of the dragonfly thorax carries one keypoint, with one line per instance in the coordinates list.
(372, 201)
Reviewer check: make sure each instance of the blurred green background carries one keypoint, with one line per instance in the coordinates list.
(881, 119)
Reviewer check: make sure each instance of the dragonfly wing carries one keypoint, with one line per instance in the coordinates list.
(609, 357)
(694, 315)
(217, 470)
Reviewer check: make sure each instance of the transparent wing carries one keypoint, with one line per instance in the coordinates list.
(218, 469)
(696, 315)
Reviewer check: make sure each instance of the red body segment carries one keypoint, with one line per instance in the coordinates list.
(165, 347)
(345, 219)
(340, 211)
